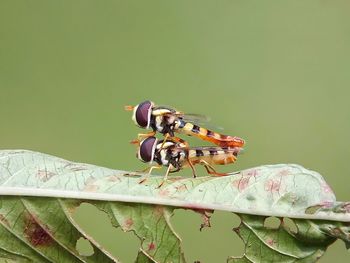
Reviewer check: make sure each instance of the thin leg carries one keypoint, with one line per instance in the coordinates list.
(180, 141)
(165, 176)
(165, 138)
(210, 169)
(142, 136)
(148, 170)
(192, 167)
(174, 139)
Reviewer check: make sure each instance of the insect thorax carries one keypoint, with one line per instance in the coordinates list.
(170, 155)
(163, 123)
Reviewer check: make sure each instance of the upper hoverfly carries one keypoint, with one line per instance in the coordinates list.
(175, 154)
(167, 121)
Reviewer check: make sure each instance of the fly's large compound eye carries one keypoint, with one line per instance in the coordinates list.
(142, 114)
(147, 148)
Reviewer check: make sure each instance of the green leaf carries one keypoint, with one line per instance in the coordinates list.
(264, 244)
(39, 194)
(40, 230)
(151, 223)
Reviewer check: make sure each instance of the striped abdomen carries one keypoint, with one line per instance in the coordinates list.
(207, 135)
(213, 155)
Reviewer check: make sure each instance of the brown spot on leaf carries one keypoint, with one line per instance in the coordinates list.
(4, 220)
(151, 246)
(45, 175)
(252, 172)
(327, 189)
(36, 235)
(346, 207)
(271, 242)
(90, 184)
(128, 223)
(158, 211)
(72, 209)
(181, 188)
(241, 183)
(284, 172)
(91, 188)
(272, 186)
(164, 192)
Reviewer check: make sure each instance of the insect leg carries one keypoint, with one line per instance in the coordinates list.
(178, 140)
(165, 176)
(210, 169)
(142, 136)
(148, 170)
(165, 138)
(192, 167)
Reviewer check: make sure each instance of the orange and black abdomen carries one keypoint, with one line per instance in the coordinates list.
(207, 135)
(212, 155)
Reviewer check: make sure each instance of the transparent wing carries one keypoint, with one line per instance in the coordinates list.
(167, 107)
(201, 120)
(198, 119)
(195, 117)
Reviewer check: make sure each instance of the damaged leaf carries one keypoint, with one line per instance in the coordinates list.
(264, 244)
(39, 194)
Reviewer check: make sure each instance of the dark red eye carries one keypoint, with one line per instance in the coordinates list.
(146, 151)
(142, 113)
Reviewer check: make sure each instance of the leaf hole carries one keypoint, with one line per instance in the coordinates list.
(289, 223)
(97, 224)
(84, 247)
(272, 222)
(212, 244)
(236, 220)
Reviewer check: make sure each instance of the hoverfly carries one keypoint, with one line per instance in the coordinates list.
(176, 155)
(167, 121)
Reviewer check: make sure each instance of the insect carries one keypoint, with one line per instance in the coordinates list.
(167, 121)
(175, 154)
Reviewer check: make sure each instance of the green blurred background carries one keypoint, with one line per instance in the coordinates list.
(276, 73)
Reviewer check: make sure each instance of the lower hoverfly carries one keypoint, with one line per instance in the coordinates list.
(168, 121)
(175, 154)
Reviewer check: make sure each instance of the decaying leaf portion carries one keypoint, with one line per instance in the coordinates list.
(39, 194)
(264, 244)
(322, 231)
(151, 224)
(38, 230)
(284, 190)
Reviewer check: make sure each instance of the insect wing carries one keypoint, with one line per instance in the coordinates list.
(201, 120)
(190, 117)
(163, 110)
(194, 118)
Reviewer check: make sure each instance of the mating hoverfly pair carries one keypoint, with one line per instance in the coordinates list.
(173, 152)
